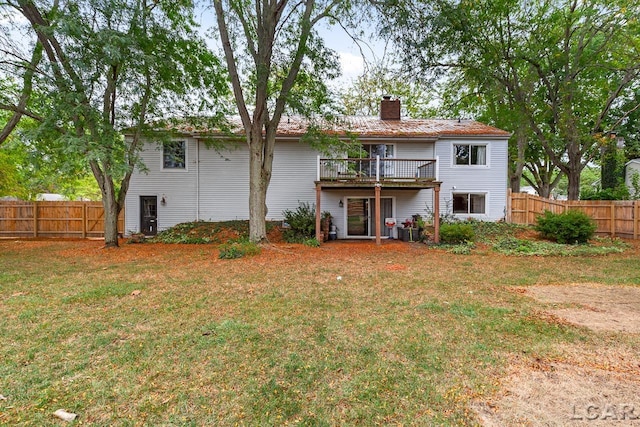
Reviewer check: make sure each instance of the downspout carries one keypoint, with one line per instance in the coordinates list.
(197, 180)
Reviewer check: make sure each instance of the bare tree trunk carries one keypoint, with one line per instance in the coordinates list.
(111, 212)
(260, 167)
(573, 191)
(544, 190)
(257, 196)
(516, 172)
(110, 204)
(574, 167)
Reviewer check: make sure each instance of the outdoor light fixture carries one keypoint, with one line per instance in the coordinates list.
(163, 201)
(341, 203)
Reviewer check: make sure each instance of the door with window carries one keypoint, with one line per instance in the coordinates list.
(149, 215)
(361, 213)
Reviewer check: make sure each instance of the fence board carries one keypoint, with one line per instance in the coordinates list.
(612, 217)
(53, 219)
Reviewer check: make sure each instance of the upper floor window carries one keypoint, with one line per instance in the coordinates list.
(174, 155)
(470, 154)
(382, 150)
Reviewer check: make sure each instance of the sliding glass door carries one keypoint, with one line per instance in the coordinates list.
(361, 212)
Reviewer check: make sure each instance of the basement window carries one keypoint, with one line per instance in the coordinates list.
(469, 203)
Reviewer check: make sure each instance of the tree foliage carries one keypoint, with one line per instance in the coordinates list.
(100, 67)
(561, 66)
(362, 97)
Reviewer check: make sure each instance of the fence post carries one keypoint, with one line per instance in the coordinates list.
(84, 220)
(526, 209)
(509, 205)
(35, 219)
(613, 219)
(635, 219)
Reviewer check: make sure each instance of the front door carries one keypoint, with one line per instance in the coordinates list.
(361, 216)
(149, 215)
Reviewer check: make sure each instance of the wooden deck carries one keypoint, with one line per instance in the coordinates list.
(382, 172)
(377, 174)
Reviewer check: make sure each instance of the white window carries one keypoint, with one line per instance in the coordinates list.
(470, 154)
(174, 155)
(382, 150)
(469, 203)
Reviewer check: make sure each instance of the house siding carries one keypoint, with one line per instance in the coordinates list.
(178, 187)
(632, 167)
(221, 178)
(490, 180)
(224, 183)
(292, 181)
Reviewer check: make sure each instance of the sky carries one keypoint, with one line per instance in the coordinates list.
(351, 56)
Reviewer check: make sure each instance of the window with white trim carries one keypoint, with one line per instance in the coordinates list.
(174, 155)
(382, 150)
(469, 203)
(470, 154)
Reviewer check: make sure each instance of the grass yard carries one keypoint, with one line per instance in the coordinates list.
(343, 334)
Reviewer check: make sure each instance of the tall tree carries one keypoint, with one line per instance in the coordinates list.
(363, 95)
(563, 64)
(276, 61)
(104, 66)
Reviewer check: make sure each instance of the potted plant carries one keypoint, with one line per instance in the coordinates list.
(409, 232)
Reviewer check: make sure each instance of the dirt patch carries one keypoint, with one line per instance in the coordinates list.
(562, 394)
(584, 386)
(601, 308)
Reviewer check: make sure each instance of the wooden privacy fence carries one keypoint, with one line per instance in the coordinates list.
(53, 219)
(616, 218)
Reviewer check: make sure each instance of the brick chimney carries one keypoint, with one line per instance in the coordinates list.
(389, 109)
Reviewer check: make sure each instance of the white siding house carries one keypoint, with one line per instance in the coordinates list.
(409, 160)
(631, 170)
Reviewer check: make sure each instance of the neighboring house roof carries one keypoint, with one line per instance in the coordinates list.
(50, 197)
(633, 161)
(375, 127)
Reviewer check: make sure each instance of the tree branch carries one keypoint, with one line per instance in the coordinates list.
(27, 88)
(232, 66)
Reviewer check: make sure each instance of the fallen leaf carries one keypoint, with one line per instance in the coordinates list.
(136, 293)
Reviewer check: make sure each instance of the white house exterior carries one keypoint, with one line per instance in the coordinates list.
(409, 161)
(631, 168)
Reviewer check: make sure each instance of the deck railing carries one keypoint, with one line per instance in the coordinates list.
(377, 169)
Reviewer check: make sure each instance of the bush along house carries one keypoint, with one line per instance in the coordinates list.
(404, 167)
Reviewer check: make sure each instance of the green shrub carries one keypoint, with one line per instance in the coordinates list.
(238, 249)
(569, 227)
(620, 192)
(456, 233)
(461, 249)
(313, 242)
(302, 223)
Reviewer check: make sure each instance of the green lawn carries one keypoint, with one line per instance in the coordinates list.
(408, 336)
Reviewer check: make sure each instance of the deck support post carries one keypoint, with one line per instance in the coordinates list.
(377, 215)
(436, 213)
(318, 230)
